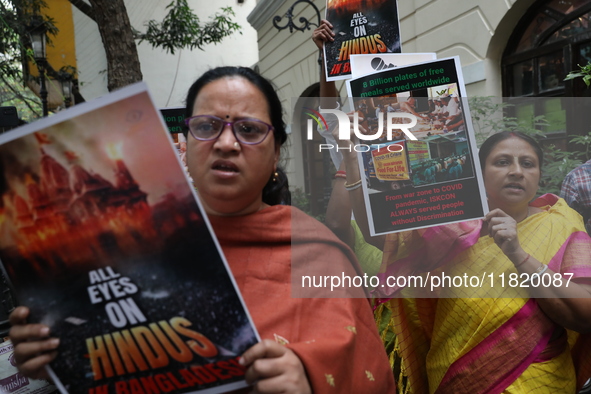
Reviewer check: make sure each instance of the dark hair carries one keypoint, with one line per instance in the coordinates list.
(274, 192)
(493, 140)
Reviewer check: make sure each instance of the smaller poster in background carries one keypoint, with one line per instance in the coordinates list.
(360, 27)
(372, 63)
(12, 381)
(175, 121)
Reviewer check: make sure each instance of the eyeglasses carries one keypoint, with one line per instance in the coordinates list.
(247, 131)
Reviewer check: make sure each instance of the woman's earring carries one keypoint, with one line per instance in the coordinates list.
(275, 176)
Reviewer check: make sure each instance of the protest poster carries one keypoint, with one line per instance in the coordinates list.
(360, 27)
(427, 173)
(104, 239)
(174, 118)
(370, 63)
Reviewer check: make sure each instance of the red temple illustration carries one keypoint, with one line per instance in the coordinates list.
(72, 216)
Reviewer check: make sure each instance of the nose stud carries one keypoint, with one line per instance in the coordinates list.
(236, 145)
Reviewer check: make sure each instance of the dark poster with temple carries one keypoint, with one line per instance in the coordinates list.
(360, 27)
(104, 239)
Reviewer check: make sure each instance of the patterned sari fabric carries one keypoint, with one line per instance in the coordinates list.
(335, 338)
(491, 339)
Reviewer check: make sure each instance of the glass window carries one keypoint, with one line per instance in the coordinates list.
(552, 32)
(585, 54)
(551, 75)
(577, 26)
(551, 39)
(536, 28)
(566, 6)
(523, 79)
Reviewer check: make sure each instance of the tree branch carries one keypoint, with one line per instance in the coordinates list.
(86, 9)
(20, 96)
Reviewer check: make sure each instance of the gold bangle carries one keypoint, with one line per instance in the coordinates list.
(352, 184)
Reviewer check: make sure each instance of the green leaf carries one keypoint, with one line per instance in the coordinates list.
(181, 28)
(583, 72)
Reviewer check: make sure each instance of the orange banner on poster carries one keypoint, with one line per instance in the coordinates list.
(390, 164)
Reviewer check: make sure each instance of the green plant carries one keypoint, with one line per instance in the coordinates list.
(583, 72)
(300, 199)
(488, 118)
(558, 163)
(181, 28)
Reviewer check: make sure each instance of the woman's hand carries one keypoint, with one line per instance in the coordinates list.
(274, 368)
(33, 349)
(503, 229)
(323, 33)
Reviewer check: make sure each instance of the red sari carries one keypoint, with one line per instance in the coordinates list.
(335, 338)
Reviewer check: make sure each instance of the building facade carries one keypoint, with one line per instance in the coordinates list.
(78, 44)
(507, 48)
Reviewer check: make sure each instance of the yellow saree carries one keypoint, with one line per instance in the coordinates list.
(492, 342)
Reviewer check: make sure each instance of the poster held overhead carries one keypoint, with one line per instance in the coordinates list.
(360, 27)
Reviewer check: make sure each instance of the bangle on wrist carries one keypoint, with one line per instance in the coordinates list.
(353, 186)
(539, 272)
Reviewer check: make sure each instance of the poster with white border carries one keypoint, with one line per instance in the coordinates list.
(360, 27)
(439, 179)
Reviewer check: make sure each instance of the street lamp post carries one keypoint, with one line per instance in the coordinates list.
(38, 34)
(65, 79)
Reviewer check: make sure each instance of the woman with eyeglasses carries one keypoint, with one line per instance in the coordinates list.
(314, 344)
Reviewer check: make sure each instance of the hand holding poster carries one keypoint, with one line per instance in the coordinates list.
(111, 249)
(360, 27)
(424, 174)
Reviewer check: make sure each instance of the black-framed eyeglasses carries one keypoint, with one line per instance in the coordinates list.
(247, 131)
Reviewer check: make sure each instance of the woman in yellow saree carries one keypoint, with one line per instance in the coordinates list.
(487, 345)
(498, 338)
